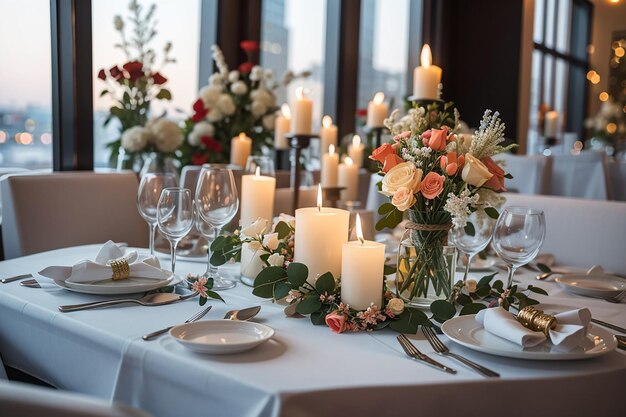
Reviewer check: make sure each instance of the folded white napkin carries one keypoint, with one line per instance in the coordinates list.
(569, 332)
(98, 270)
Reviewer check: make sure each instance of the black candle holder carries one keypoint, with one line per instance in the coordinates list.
(282, 159)
(332, 195)
(377, 132)
(297, 142)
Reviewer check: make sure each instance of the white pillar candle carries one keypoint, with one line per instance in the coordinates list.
(282, 126)
(251, 263)
(320, 235)
(303, 112)
(328, 134)
(355, 151)
(362, 269)
(257, 198)
(349, 178)
(240, 149)
(551, 124)
(330, 162)
(377, 111)
(426, 77)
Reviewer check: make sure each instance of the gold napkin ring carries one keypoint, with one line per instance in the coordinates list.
(121, 269)
(536, 320)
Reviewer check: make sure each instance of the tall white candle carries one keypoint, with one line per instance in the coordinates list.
(349, 178)
(282, 126)
(240, 149)
(355, 151)
(330, 162)
(426, 77)
(377, 111)
(303, 112)
(362, 269)
(320, 235)
(257, 198)
(328, 134)
(551, 124)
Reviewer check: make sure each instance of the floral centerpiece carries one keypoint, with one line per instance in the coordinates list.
(438, 178)
(133, 87)
(234, 101)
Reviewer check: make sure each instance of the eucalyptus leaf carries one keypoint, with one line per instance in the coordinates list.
(469, 229)
(390, 269)
(164, 94)
(498, 285)
(409, 321)
(472, 309)
(325, 283)
(463, 299)
(215, 295)
(482, 291)
(492, 212)
(442, 310)
(537, 290)
(543, 267)
(318, 318)
(265, 281)
(282, 229)
(290, 310)
(486, 280)
(297, 273)
(309, 304)
(385, 208)
(281, 290)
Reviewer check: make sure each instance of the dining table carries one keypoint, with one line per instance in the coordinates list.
(303, 370)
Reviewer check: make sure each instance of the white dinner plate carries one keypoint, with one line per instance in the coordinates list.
(221, 337)
(466, 331)
(601, 286)
(123, 286)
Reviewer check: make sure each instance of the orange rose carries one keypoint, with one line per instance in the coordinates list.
(436, 139)
(496, 182)
(391, 161)
(451, 164)
(432, 185)
(380, 154)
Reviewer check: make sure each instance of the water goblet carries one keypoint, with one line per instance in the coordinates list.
(148, 195)
(175, 216)
(217, 204)
(518, 236)
(206, 231)
(472, 243)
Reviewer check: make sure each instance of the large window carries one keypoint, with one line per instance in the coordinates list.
(176, 24)
(25, 85)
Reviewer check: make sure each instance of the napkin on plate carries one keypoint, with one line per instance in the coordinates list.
(569, 332)
(98, 270)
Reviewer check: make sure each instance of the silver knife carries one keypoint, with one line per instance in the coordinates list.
(609, 325)
(15, 278)
(195, 317)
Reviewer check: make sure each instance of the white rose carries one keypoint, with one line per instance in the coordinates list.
(167, 135)
(271, 241)
(263, 96)
(268, 121)
(255, 245)
(239, 88)
(257, 73)
(405, 174)
(215, 115)
(200, 130)
(215, 79)
(258, 108)
(226, 104)
(135, 138)
(275, 259)
(474, 171)
(209, 95)
(233, 76)
(403, 199)
(396, 306)
(255, 229)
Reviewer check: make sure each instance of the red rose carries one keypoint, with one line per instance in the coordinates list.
(496, 182)
(199, 159)
(249, 46)
(134, 69)
(102, 75)
(199, 111)
(246, 67)
(361, 113)
(211, 144)
(115, 72)
(158, 78)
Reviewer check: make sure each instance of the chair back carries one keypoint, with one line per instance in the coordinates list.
(617, 180)
(48, 211)
(582, 175)
(531, 173)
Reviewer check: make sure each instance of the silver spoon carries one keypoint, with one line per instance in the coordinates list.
(154, 299)
(243, 314)
(594, 270)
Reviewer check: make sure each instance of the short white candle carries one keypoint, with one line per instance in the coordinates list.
(349, 178)
(320, 235)
(282, 126)
(251, 263)
(377, 111)
(257, 198)
(426, 77)
(355, 151)
(328, 134)
(362, 269)
(551, 124)
(240, 149)
(330, 162)
(303, 112)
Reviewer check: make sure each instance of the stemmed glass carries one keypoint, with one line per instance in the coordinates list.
(206, 231)
(175, 216)
(217, 204)
(148, 196)
(518, 236)
(471, 244)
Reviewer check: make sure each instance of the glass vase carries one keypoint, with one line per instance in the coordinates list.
(128, 161)
(426, 263)
(157, 163)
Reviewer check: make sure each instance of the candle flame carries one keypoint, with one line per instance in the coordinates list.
(379, 98)
(302, 92)
(356, 141)
(348, 161)
(286, 111)
(242, 136)
(426, 57)
(327, 121)
(331, 149)
(319, 197)
(257, 173)
(359, 229)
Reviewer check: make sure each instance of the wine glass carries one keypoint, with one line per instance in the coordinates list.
(175, 216)
(518, 236)
(148, 195)
(217, 204)
(263, 163)
(471, 244)
(206, 231)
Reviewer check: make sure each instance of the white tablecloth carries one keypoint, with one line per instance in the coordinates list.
(304, 371)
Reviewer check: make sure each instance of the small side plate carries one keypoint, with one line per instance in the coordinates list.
(600, 286)
(221, 337)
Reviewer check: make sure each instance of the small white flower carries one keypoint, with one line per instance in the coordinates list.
(135, 138)
(209, 94)
(471, 285)
(215, 115)
(293, 295)
(167, 135)
(257, 73)
(396, 306)
(233, 76)
(256, 229)
(258, 108)
(200, 130)
(215, 79)
(276, 260)
(226, 104)
(270, 241)
(239, 88)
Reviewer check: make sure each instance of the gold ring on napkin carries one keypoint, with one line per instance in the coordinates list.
(121, 269)
(536, 320)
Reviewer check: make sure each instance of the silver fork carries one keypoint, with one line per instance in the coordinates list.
(413, 352)
(191, 319)
(443, 350)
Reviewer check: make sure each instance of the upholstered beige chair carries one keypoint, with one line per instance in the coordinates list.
(48, 211)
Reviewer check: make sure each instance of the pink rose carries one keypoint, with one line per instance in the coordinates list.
(496, 182)
(336, 321)
(401, 136)
(391, 161)
(432, 185)
(380, 154)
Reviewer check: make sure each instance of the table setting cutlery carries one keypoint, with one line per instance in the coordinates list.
(148, 300)
(30, 283)
(414, 353)
(15, 278)
(191, 319)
